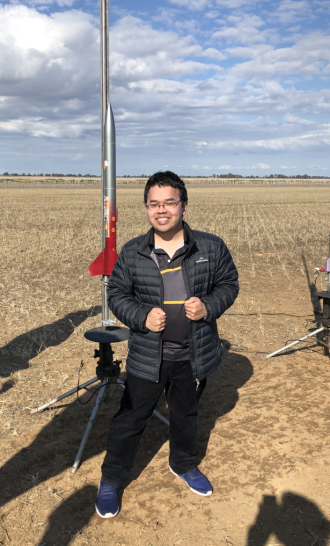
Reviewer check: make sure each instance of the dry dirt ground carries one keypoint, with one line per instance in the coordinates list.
(263, 424)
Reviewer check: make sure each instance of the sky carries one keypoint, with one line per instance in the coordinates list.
(199, 87)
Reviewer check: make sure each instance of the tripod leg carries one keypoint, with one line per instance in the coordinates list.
(88, 428)
(72, 391)
(295, 342)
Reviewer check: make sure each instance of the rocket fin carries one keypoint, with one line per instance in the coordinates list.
(104, 263)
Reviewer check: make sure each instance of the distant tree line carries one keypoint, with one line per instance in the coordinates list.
(53, 174)
(229, 175)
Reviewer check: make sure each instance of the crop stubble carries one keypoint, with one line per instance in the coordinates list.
(264, 425)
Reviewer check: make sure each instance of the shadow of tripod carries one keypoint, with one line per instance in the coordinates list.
(16, 354)
(60, 437)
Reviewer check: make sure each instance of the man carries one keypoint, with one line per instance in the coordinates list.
(169, 287)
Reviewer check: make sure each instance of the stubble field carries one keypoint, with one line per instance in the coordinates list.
(263, 424)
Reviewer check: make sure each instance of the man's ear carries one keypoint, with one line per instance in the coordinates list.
(184, 208)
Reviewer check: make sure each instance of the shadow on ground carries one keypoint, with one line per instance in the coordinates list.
(16, 354)
(70, 517)
(55, 447)
(294, 521)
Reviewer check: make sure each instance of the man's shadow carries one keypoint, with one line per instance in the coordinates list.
(16, 354)
(295, 521)
(70, 517)
(55, 447)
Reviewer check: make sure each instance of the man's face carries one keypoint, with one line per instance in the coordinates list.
(162, 219)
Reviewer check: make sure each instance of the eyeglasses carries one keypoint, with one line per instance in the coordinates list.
(167, 206)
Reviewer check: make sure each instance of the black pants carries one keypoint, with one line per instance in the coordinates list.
(139, 400)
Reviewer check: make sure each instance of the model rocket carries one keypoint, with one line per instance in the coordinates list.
(103, 264)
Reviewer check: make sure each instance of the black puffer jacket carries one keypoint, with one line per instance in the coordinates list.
(135, 287)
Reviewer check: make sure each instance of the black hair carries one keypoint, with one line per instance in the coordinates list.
(166, 178)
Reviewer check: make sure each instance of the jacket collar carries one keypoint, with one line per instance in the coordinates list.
(147, 244)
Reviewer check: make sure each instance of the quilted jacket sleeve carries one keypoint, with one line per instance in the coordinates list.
(225, 287)
(121, 296)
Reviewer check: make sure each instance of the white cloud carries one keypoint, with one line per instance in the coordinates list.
(302, 142)
(261, 166)
(189, 25)
(290, 11)
(298, 120)
(169, 93)
(192, 4)
(233, 4)
(207, 168)
(140, 53)
(306, 57)
(213, 53)
(48, 72)
(39, 127)
(258, 166)
(284, 167)
(43, 3)
(244, 29)
(211, 14)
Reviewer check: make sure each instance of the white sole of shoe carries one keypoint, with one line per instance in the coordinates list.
(107, 516)
(208, 494)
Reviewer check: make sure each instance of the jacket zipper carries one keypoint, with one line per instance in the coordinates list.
(162, 306)
(161, 344)
(191, 325)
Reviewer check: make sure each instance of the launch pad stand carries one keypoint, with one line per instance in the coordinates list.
(107, 373)
(324, 330)
(107, 370)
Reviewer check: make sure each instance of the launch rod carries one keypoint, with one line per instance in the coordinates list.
(104, 58)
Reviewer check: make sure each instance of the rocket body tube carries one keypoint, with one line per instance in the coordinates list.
(109, 169)
(104, 263)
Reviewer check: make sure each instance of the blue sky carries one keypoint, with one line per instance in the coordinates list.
(197, 86)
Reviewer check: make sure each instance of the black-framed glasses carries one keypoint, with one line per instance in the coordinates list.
(167, 206)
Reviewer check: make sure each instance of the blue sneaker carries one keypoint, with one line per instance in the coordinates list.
(196, 481)
(106, 504)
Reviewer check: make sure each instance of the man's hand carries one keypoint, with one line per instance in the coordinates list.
(156, 320)
(195, 309)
